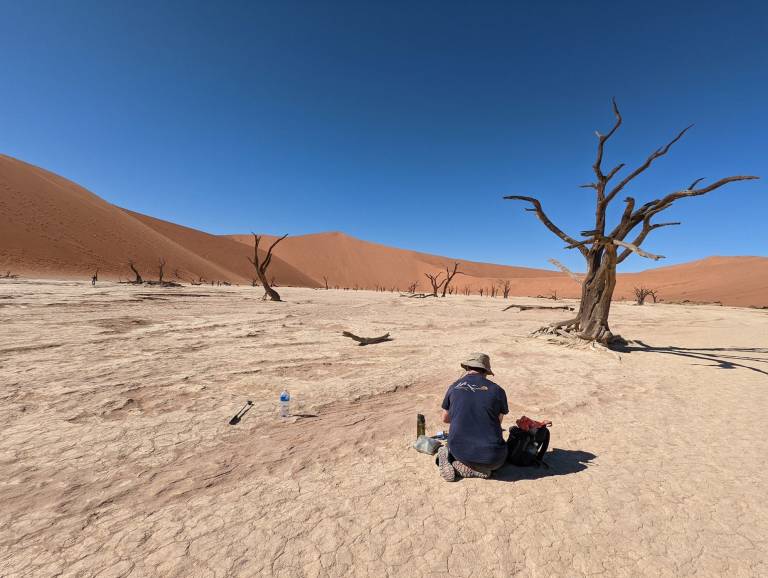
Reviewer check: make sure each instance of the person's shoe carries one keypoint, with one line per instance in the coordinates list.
(466, 472)
(444, 465)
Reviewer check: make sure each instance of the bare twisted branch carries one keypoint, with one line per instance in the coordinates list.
(547, 222)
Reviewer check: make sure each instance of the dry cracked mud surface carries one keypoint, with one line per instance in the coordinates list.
(117, 458)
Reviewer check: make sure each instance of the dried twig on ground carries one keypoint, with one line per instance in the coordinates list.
(367, 340)
(527, 307)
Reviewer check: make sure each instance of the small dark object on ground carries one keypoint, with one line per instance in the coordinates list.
(367, 340)
(421, 425)
(239, 415)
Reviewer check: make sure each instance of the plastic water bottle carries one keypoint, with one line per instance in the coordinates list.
(285, 402)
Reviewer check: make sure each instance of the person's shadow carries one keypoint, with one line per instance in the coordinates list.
(560, 462)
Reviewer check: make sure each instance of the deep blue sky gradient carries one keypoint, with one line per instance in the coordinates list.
(398, 122)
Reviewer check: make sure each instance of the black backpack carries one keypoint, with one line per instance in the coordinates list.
(527, 448)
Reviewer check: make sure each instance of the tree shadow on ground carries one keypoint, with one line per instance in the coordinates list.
(561, 462)
(720, 357)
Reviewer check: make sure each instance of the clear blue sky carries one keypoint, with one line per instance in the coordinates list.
(398, 122)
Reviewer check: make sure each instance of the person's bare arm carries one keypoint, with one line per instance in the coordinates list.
(446, 417)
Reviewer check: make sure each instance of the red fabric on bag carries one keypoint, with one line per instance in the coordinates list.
(525, 423)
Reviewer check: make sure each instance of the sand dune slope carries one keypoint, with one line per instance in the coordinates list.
(739, 281)
(50, 226)
(350, 262)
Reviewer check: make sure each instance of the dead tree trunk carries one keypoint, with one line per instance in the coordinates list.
(434, 280)
(449, 276)
(603, 249)
(138, 279)
(262, 266)
(325, 280)
(160, 269)
(505, 289)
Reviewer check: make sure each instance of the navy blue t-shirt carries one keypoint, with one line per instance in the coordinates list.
(474, 404)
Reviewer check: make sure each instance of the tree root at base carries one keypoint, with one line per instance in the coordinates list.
(569, 330)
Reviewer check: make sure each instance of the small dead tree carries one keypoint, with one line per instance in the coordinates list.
(325, 280)
(262, 266)
(434, 280)
(641, 293)
(481, 291)
(553, 294)
(161, 262)
(505, 289)
(604, 248)
(138, 280)
(95, 276)
(412, 287)
(449, 277)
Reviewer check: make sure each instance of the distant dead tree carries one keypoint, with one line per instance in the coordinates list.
(481, 291)
(434, 280)
(449, 275)
(412, 287)
(641, 293)
(553, 294)
(325, 280)
(494, 290)
(262, 266)
(467, 290)
(161, 262)
(505, 288)
(602, 248)
(95, 277)
(138, 280)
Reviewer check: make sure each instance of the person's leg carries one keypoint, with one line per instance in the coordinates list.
(473, 470)
(444, 465)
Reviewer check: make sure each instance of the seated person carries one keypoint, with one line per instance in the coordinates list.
(474, 406)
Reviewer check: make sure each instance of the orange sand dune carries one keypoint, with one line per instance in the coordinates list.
(739, 281)
(350, 262)
(50, 226)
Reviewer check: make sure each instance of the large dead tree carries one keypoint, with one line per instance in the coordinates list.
(262, 266)
(434, 280)
(604, 248)
(450, 275)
